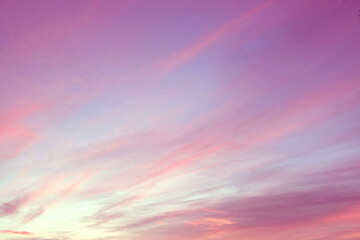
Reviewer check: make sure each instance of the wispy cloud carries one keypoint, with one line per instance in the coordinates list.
(15, 232)
(179, 120)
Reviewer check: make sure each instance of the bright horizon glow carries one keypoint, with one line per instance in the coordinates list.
(177, 120)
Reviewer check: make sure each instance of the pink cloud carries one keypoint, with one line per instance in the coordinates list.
(179, 120)
(15, 232)
(193, 50)
(60, 196)
(15, 136)
(12, 207)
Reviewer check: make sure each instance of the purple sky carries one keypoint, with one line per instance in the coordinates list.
(179, 119)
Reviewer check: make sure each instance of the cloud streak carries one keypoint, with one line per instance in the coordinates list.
(179, 120)
(16, 232)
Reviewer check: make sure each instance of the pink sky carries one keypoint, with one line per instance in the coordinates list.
(179, 119)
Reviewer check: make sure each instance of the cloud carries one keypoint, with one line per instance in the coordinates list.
(60, 196)
(328, 196)
(15, 136)
(15, 232)
(248, 129)
(187, 54)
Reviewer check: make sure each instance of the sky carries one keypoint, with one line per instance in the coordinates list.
(179, 119)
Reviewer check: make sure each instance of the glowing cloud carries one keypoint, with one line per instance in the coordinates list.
(191, 119)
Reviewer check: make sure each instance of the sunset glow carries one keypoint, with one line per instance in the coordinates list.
(179, 120)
